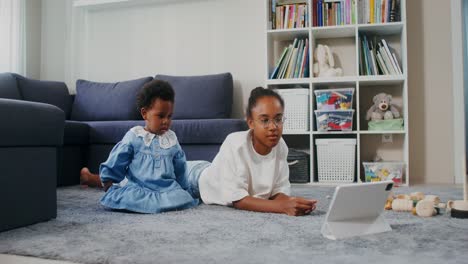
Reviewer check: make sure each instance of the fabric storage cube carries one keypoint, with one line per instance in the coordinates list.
(296, 108)
(386, 125)
(383, 171)
(335, 159)
(334, 120)
(334, 99)
(298, 162)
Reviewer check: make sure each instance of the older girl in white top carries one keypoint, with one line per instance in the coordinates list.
(250, 172)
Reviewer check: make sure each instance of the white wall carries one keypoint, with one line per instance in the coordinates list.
(210, 36)
(53, 42)
(430, 91)
(181, 38)
(33, 38)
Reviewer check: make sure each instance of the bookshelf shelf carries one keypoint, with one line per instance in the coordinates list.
(382, 79)
(334, 31)
(382, 29)
(288, 81)
(335, 80)
(287, 34)
(345, 42)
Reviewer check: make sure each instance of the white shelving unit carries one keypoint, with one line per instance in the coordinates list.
(343, 40)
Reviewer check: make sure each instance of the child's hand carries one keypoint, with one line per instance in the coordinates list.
(297, 206)
(106, 185)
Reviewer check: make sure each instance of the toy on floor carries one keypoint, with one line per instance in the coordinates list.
(417, 202)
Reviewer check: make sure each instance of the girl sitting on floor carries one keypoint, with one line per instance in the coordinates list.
(146, 171)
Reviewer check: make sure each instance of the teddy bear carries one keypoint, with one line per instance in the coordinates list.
(382, 108)
(325, 63)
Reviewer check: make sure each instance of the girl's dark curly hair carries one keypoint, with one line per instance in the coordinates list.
(257, 93)
(153, 90)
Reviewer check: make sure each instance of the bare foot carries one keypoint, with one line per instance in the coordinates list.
(89, 179)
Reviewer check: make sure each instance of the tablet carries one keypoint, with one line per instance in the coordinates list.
(356, 209)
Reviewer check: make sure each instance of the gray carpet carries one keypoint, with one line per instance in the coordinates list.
(84, 232)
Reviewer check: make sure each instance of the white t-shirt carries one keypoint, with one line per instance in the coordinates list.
(238, 171)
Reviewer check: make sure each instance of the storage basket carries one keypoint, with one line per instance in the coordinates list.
(334, 120)
(383, 171)
(334, 99)
(336, 159)
(296, 108)
(298, 162)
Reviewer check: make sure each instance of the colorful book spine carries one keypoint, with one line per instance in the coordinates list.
(319, 11)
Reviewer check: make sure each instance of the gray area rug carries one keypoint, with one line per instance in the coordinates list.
(85, 232)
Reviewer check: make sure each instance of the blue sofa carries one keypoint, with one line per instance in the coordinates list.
(100, 114)
(31, 136)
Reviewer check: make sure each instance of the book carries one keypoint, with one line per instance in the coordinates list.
(304, 58)
(382, 64)
(390, 57)
(393, 11)
(387, 60)
(295, 73)
(364, 51)
(278, 63)
(373, 57)
(288, 59)
(397, 64)
(273, 10)
(319, 13)
(292, 63)
(285, 63)
(286, 16)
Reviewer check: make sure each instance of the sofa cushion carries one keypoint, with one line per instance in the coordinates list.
(206, 131)
(49, 92)
(76, 133)
(8, 87)
(110, 132)
(95, 101)
(208, 96)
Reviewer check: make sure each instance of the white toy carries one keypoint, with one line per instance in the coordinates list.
(324, 66)
(425, 208)
(402, 205)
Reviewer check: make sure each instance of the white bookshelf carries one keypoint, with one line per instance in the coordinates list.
(343, 41)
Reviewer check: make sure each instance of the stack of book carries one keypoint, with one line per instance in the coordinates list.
(293, 62)
(379, 11)
(286, 14)
(333, 12)
(377, 58)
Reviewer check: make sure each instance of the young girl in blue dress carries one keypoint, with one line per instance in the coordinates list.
(146, 171)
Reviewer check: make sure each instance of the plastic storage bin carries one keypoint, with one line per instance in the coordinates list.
(382, 171)
(334, 99)
(298, 162)
(296, 102)
(334, 120)
(336, 159)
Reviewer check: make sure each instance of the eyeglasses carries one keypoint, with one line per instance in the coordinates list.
(277, 121)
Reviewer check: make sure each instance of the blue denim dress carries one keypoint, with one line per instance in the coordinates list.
(155, 172)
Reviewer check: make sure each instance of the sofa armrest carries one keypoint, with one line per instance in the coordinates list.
(24, 123)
